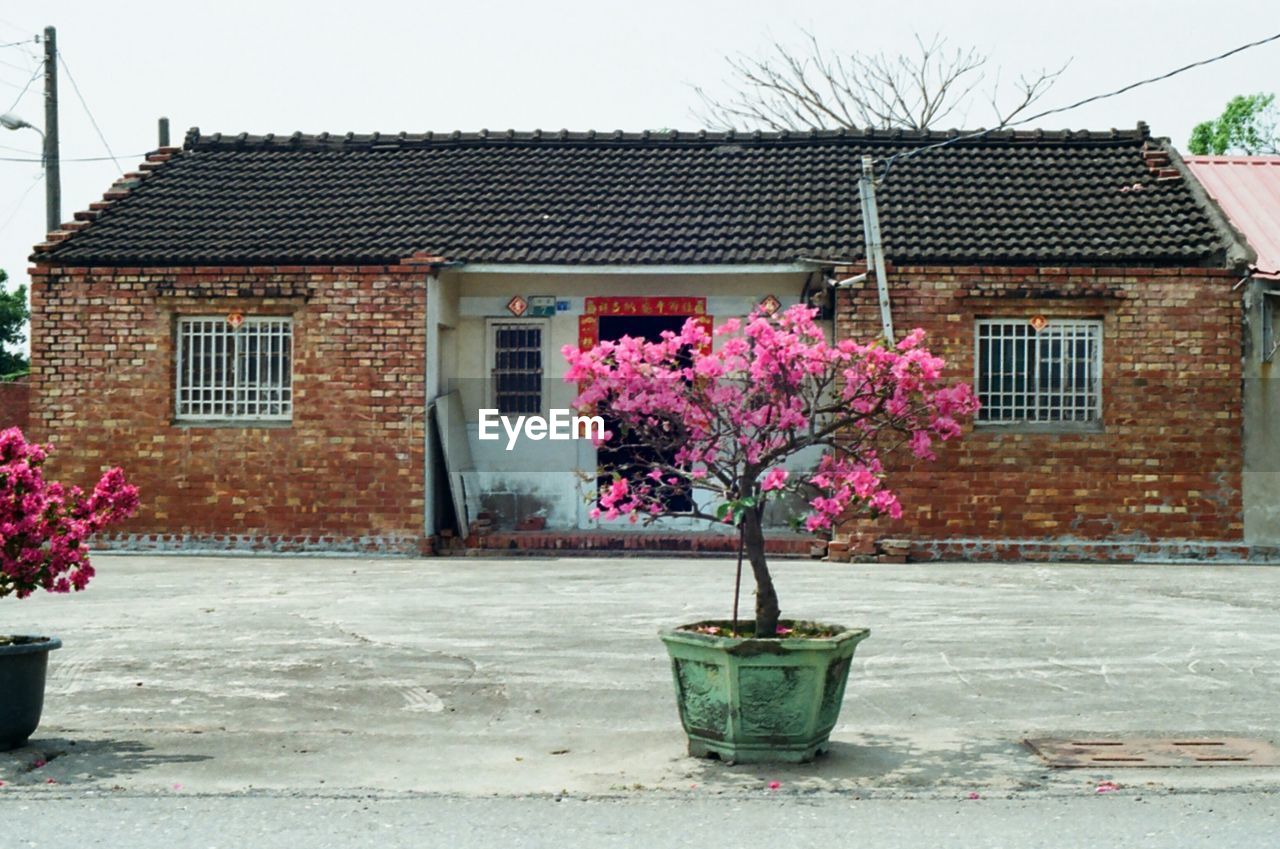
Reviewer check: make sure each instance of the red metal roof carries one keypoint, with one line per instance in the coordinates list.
(1248, 190)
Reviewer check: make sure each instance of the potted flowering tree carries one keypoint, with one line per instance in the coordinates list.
(720, 425)
(43, 529)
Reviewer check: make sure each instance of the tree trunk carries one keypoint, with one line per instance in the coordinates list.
(766, 597)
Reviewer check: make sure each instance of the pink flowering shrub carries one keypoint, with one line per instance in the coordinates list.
(722, 416)
(44, 525)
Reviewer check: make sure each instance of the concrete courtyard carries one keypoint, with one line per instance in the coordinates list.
(470, 676)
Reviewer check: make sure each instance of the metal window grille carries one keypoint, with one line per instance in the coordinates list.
(1025, 376)
(517, 367)
(243, 373)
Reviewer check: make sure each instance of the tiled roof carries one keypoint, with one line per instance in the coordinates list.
(1070, 198)
(1248, 189)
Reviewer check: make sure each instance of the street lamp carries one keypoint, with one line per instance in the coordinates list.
(12, 122)
(49, 135)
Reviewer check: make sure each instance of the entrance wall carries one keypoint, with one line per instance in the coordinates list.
(545, 479)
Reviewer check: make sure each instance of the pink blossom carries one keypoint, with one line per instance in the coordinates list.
(726, 418)
(776, 478)
(45, 526)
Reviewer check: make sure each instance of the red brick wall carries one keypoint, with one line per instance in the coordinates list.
(1167, 464)
(346, 473)
(15, 405)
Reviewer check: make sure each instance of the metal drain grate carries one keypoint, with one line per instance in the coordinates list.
(1153, 752)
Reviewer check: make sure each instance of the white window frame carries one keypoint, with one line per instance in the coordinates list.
(1033, 392)
(230, 392)
(491, 358)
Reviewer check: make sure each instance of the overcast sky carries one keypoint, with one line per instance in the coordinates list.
(391, 65)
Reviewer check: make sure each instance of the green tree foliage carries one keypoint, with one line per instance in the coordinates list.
(1247, 125)
(13, 322)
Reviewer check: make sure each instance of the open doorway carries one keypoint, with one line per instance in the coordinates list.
(633, 462)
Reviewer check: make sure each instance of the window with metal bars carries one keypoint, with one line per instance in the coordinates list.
(240, 373)
(517, 366)
(1050, 376)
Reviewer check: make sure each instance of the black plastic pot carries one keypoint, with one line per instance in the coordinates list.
(23, 662)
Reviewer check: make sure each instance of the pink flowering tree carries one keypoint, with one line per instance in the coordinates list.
(44, 525)
(712, 423)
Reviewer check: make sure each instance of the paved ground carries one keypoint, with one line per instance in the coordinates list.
(542, 676)
(780, 820)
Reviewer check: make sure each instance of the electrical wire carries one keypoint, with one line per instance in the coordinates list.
(32, 40)
(11, 25)
(17, 206)
(19, 150)
(78, 159)
(21, 94)
(907, 154)
(88, 112)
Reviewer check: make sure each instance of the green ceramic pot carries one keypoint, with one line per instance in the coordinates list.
(747, 700)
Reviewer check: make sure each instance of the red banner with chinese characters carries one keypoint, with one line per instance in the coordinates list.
(589, 324)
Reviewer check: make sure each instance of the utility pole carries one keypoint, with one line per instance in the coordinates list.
(52, 179)
(874, 249)
(163, 132)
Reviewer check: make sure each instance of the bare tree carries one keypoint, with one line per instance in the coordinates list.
(797, 90)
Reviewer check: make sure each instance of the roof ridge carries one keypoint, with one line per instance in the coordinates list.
(120, 189)
(1232, 159)
(196, 140)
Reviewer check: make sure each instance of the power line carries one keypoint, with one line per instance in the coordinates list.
(23, 93)
(80, 159)
(19, 150)
(907, 154)
(11, 25)
(32, 40)
(88, 112)
(17, 206)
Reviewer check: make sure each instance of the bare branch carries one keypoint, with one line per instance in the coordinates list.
(812, 87)
(1030, 90)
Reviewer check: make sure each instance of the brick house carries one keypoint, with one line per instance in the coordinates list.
(287, 339)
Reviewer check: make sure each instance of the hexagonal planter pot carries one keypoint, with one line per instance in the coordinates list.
(747, 700)
(23, 662)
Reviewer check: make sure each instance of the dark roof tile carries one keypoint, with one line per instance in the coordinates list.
(1072, 197)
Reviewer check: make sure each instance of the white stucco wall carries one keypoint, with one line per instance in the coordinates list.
(546, 477)
(1261, 477)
